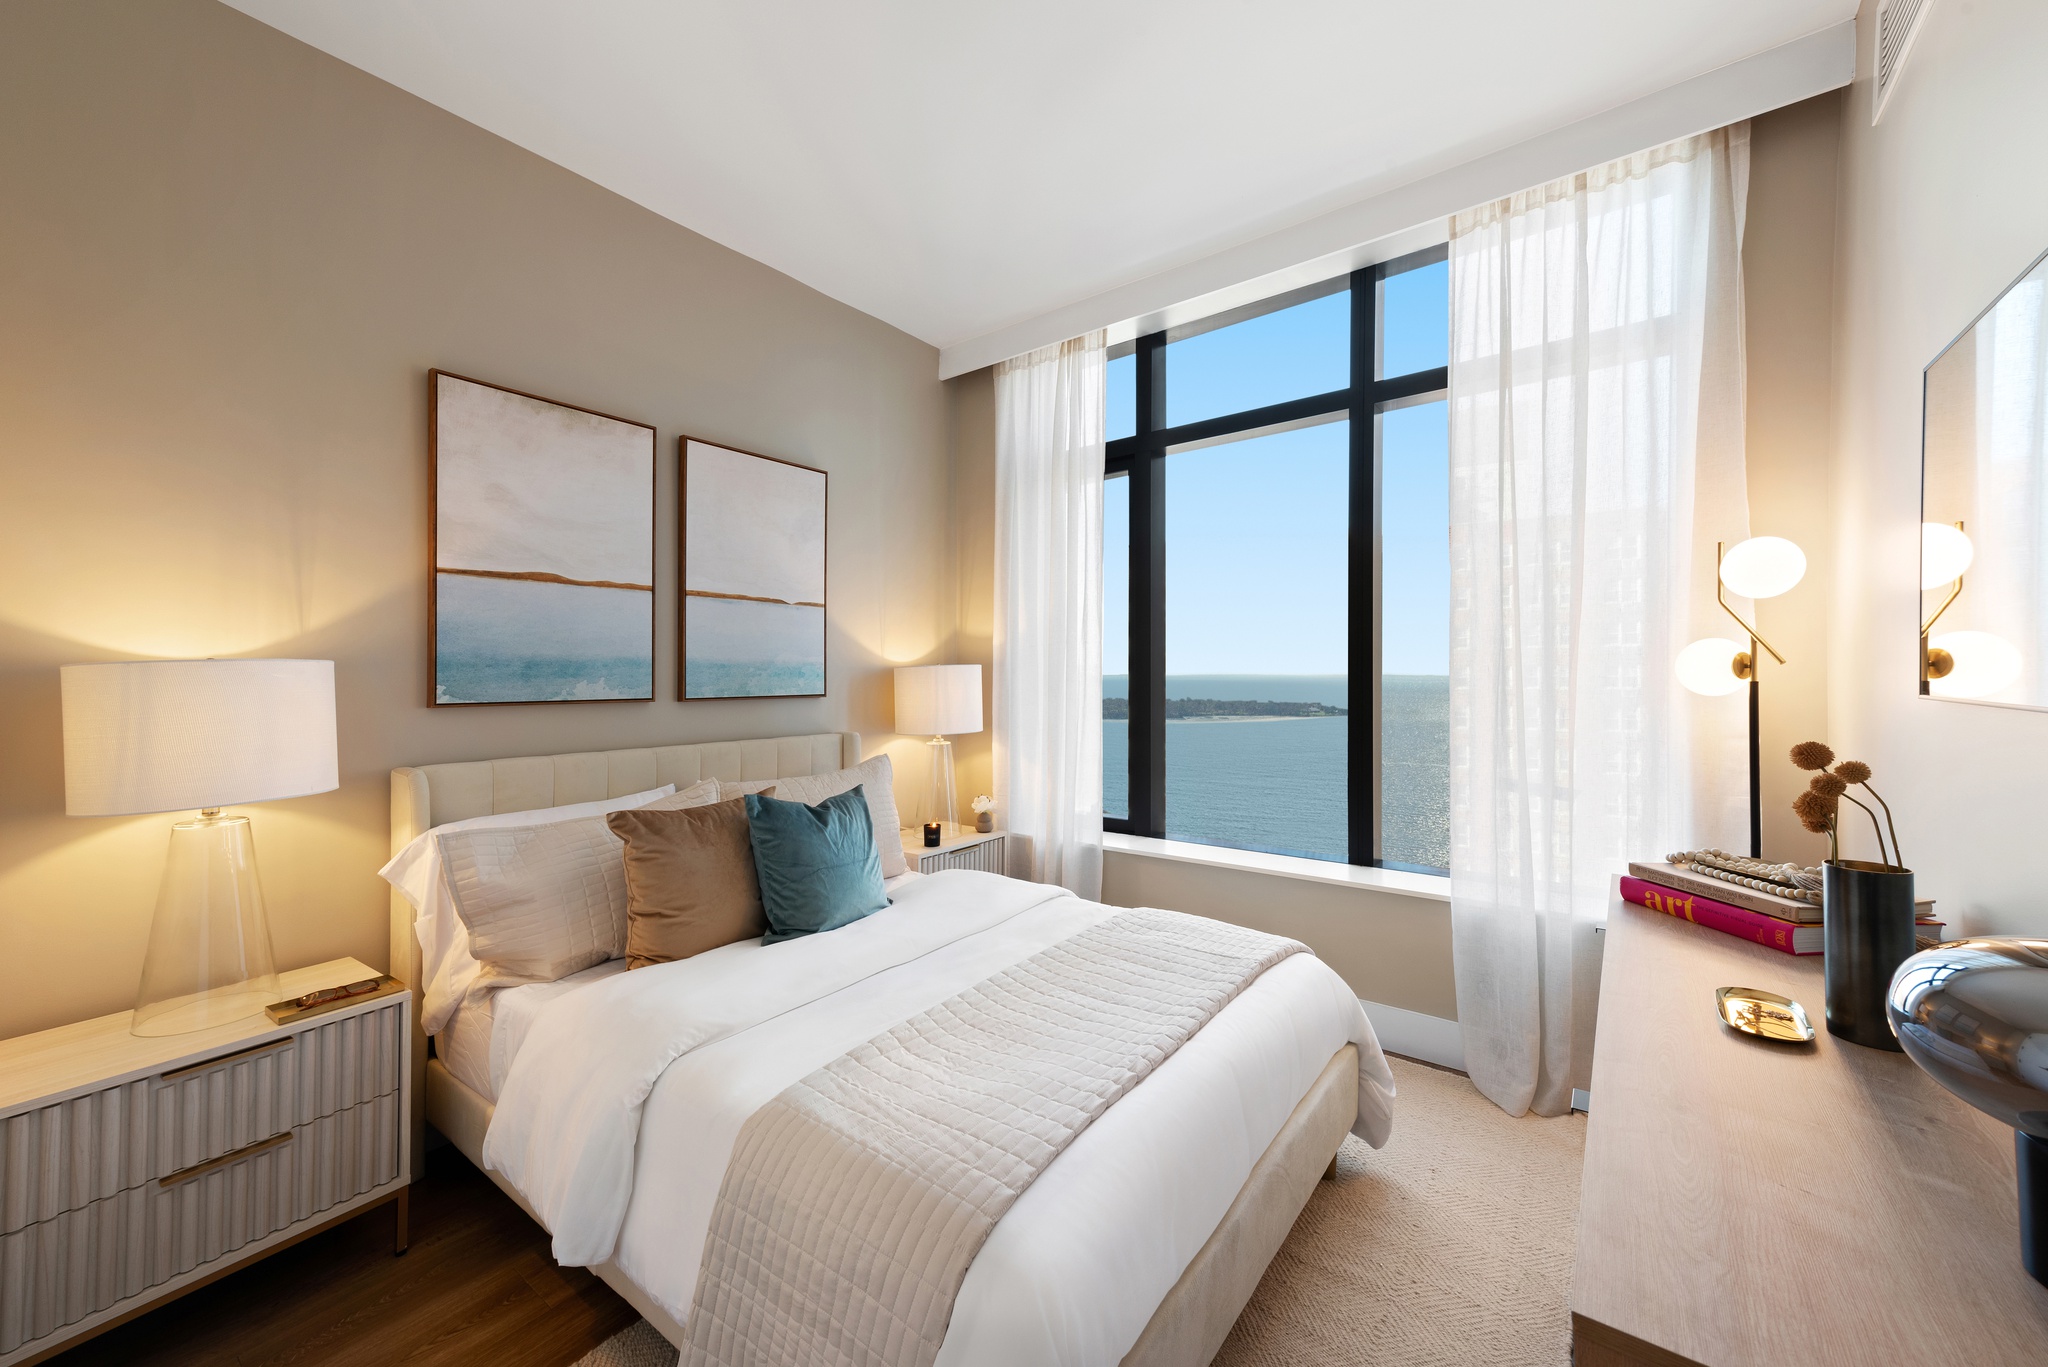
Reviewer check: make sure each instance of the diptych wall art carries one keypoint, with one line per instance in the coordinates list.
(543, 549)
(753, 551)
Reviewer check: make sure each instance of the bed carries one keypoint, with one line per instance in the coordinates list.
(1139, 1243)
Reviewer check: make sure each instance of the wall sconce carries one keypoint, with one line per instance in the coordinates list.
(1958, 664)
(1761, 567)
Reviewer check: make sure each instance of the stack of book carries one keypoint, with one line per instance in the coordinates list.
(1785, 924)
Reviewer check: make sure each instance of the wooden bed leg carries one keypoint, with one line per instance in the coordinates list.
(403, 1208)
(1330, 1173)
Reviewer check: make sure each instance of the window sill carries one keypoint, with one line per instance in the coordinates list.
(1429, 886)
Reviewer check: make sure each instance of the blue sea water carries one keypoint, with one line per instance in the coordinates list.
(735, 648)
(524, 640)
(1280, 784)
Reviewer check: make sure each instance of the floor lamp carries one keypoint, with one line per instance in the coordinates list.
(1761, 567)
(186, 735)
(938, 701)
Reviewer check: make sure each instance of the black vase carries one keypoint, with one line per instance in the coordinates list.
(1867, 919)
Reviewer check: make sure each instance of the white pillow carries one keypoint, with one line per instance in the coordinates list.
(447, 968)
(877, 781)
(539, 902)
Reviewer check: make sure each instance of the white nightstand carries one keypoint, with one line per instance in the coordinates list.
(961, 847)
(134, 1170)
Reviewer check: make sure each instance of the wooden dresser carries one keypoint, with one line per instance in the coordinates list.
(133, 1170)
(1754, 1203)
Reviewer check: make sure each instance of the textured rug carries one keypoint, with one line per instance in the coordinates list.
(1452, 1245)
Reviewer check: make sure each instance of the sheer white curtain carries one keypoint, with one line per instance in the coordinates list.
(1596, 456)
(1048, 646)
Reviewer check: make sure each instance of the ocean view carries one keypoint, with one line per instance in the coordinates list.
(1279, 783)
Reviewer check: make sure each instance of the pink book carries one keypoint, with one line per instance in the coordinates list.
(1787, 937)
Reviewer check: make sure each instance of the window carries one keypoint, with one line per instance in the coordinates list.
(1276, 526)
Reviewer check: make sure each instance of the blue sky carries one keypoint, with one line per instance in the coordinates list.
(1256, 579)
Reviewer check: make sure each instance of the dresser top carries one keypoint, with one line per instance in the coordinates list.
(953, 836)
(51, 1064)
(1751, 1202)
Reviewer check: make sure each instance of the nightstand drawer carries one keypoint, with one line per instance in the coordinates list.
(59, 1271)
(64, 1157)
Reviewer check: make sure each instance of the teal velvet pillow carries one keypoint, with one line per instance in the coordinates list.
(818, 866)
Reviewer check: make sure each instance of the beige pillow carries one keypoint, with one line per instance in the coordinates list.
(727, 788)
(690, 882)
(540, 902)
(700, 794)
(878, 786)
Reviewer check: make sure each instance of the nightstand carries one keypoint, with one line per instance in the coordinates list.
(962, 847)
(134, 1170)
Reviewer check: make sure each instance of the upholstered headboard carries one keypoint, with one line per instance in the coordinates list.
(435, 794)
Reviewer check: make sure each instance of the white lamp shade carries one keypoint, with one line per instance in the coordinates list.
(181, 735)
(1708, 667)
(1762, 567)
(938, 700)
(1984, 664)
(1945, 553)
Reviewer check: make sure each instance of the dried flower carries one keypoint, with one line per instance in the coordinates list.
(1828, 785)
(1817, 825)
(1853, 771)
(1813, 806)
(1811, 754)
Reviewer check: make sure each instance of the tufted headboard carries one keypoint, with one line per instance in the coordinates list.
(432, 795)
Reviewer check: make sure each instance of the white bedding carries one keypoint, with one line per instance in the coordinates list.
(485, 1030)
(618, 1112)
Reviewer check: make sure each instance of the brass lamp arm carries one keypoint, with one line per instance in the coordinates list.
(1954, 594)
(1720, 591)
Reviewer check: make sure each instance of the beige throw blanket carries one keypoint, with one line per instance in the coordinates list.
(856, 1200)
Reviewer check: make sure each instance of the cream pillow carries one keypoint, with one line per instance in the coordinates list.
(877, 781)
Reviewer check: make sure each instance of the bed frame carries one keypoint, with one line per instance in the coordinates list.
(1197, 1312)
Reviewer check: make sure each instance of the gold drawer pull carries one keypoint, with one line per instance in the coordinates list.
(287, 1042)
(184, 1175)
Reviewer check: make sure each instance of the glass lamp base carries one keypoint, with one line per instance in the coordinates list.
(937, 801)
(209, 959)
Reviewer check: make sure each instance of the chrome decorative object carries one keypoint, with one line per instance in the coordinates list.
(1974, 1015)
(1754, 1011)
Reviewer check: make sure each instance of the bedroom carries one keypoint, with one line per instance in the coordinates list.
(255, 258)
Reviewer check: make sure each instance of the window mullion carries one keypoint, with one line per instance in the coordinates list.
(1362, 776)
(1147, 725)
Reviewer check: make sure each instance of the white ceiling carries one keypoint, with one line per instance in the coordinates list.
(952, 167)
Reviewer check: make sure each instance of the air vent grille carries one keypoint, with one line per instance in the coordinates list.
(1898, 23)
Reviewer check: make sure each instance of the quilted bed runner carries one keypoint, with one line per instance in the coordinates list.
(856, 1200)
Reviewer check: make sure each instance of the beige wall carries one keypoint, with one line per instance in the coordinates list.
(226, 264)
(971, 428)
(1942, 205)
(1788, 266)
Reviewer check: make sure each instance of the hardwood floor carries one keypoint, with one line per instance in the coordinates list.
(477, 1286)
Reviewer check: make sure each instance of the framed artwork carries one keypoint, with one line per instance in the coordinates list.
(753, 550)
(543, 548)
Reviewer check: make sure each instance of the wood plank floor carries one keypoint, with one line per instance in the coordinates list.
(477, 1286)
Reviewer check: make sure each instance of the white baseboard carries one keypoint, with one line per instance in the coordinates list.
(1429, 1038)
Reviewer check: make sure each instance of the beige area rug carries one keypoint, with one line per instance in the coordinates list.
(1452, 1245)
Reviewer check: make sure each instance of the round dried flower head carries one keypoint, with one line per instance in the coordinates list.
(1814, 824)
(1811, 754)
(1853, 771)
(1828, 785)
(1811, 806)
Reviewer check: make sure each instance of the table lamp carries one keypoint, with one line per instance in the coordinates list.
(938, 701)
(180, 735)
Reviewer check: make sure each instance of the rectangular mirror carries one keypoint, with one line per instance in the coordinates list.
(1984, 506)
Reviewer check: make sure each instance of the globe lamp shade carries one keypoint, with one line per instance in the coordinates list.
(1708, 667)
(1945, 553)
(1762, 567)
(1984, 665)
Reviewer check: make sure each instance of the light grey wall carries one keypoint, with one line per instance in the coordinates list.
(1942, 205)
(226, 263)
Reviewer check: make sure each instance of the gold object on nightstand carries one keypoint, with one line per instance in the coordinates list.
(1756, 1012)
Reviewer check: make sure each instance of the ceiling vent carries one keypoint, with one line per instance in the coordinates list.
(1898, 23)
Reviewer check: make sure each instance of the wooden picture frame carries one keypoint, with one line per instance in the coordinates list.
(545, 512)
(761, 623)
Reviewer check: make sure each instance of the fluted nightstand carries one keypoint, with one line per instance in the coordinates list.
(962, 847)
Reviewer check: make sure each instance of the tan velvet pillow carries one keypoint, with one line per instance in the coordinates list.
(690, 883)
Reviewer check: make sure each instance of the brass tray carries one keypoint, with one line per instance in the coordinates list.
(1765, 1014)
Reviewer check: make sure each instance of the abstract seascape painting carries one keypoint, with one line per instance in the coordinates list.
(543, 524)
(753, 575)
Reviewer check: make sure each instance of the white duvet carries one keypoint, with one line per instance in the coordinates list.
(620, 1109)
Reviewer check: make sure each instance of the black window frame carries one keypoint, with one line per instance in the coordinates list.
(1141, 458)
